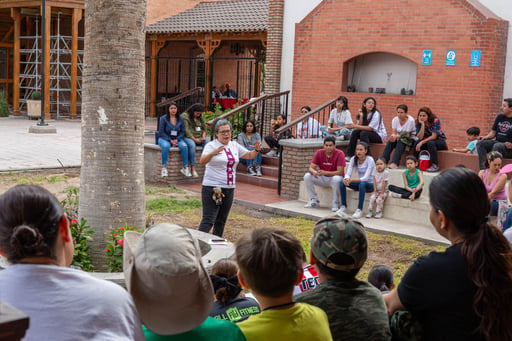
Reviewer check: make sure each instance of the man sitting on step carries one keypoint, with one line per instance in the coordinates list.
(326, 170)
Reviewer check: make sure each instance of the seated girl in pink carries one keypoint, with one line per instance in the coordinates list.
(494, 181)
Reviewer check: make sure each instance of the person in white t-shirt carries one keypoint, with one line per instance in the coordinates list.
(402, 137)
(370, 130)
(309, 127)
(220, 158)
(338, 119)
(62, 303)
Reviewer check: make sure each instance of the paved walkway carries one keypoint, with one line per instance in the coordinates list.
(21, 150)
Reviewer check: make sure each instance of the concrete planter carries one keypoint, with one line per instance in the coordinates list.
(33, 108)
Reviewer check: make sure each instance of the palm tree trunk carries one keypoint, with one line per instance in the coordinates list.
(112, 174)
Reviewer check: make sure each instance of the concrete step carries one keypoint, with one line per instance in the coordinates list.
(262, 181)
(266, 170)
(423, 232)
(270, 161)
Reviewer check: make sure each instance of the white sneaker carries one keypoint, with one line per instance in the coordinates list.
(312, 203)
(188, 174)
(395, 195)
(369, 214)
(357, 214)
(341, 210)
(272, 153)
(378, 215)
(334, 209)
(184, 171)
(194, 174)
(164, 172)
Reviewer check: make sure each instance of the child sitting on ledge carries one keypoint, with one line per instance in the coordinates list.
(472, 136)
(413, 181)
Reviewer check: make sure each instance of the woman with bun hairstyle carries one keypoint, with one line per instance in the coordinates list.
(62, 303)
(463, 293)
(229, 296)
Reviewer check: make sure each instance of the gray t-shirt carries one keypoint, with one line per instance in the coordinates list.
(69, 304)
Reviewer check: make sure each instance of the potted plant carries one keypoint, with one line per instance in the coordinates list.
(4, 106)
(34, 105)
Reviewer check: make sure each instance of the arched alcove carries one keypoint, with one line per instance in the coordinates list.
(380, 72)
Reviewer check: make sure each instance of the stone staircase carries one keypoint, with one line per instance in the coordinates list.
(269, 169)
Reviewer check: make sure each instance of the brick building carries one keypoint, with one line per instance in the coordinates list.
(343, 46)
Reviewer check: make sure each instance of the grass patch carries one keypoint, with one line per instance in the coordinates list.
(163, 190)
(36, 180)
(171, 205)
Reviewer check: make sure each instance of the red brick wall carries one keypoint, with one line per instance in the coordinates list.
(461, 96)
(300, 159)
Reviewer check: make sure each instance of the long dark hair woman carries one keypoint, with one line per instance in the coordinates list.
(463, 293)
(248, 138)
(195, 133)
(371, 129)
(63, 303)
(430, 137)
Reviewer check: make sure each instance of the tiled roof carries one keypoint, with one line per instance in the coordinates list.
(231, 15)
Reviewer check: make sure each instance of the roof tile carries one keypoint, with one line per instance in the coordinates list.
(231, 15)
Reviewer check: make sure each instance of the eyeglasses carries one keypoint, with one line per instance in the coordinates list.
(225, 132)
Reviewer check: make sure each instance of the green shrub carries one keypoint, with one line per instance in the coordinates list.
(70, 204)
(36, 95)
(4, 106)
(81, 233)
(115, 245)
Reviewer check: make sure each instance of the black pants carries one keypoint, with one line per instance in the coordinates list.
(404, 193)
(432, 147)
(363, 135)
(271, 141)
(214, 214)
(397, 155)
(485, 146)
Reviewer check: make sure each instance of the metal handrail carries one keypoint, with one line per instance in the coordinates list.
(309, 114)
(180, 96)
(247, 105)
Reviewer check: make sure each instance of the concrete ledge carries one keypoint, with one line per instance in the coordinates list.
(36, 129)
(413, 212)
(153, 165)
(419, 231)
(446, 158)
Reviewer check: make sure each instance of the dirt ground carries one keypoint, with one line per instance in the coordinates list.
(396, 252)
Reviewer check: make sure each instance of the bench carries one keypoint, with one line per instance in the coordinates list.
(153, 165)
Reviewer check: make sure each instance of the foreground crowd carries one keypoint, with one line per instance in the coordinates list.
(463, 293)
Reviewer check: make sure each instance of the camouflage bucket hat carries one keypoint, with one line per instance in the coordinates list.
(336, 235)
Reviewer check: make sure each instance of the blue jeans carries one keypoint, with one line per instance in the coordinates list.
(248, 162)
(363, 187)
(345, 132)
(508, 220)
(192, 150)
(494, 207)
(166, 145)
